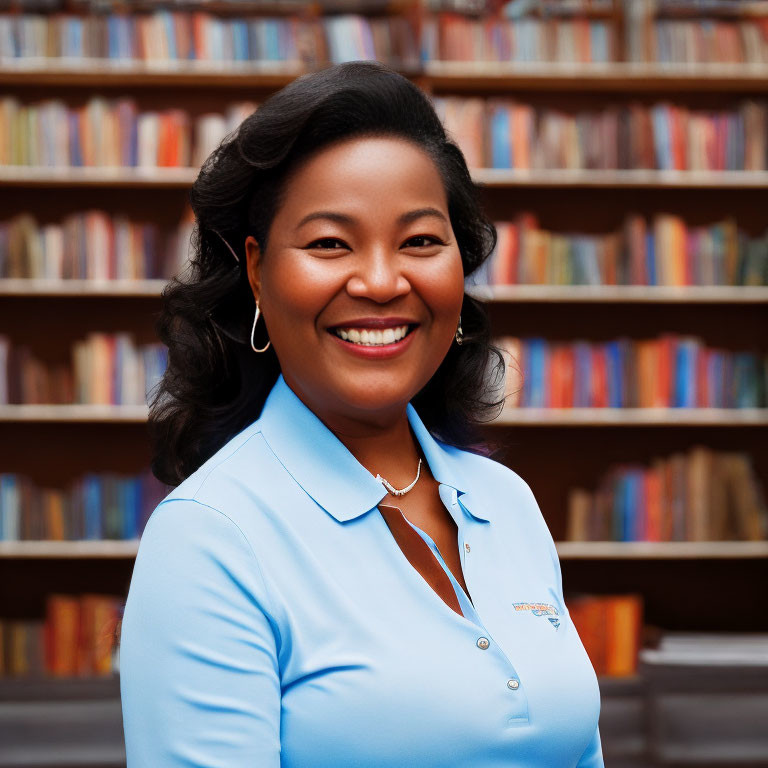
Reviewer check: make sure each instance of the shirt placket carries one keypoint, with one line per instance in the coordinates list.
(518, 713)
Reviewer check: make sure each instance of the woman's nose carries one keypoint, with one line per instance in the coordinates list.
(378, 276)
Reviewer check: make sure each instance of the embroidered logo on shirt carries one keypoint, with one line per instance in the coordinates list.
(540, 609)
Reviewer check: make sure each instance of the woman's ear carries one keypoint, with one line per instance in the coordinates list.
(253, 265)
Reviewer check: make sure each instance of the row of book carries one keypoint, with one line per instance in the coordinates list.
(535, 33)
(454, 37)
(698, 495)
(91, 245)
(670, 371)
(494, 133)
(77, 638)
(662, 250)
(504, 133)
(610, 628)
(95, 507)
(181, 37)
(105, 369)
(110, 132)
(686, 41)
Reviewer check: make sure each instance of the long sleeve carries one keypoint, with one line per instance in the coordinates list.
(199, 676)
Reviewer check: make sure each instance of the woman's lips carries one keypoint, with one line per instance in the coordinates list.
(379, 351)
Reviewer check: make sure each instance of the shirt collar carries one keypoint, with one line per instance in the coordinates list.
(325, 468)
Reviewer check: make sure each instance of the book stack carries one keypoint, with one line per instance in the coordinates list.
(610, 628)
(502, 133)
(162, 36)
(671, 371)
(661, 250)
(105, 369)
(95, 507)
(91, 245)
(699, 495)
(110, 133)
(76, 639)
(693, 32)
(456, 37)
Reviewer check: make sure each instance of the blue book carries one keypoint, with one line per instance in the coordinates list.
(650, 257)
(170, 34)
(537, 372)
(501, 146)
(614, 377)
(240, 40)
(92, 498)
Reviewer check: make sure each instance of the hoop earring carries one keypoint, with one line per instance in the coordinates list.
(253, 330)
(459, 333)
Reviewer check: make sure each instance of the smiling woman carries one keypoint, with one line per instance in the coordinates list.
(334, 580)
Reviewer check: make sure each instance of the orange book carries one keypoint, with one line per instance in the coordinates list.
(623, 626)
(199, 34)
(53, 510)
(665, 366)
(522, 120)
(588, 616)
(653, 479)
(165, 141)
(98, 617)
(62, 635)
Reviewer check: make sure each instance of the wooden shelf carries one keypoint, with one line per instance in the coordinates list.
(107, 414)
(114, 177)
(567, 550)
(624, 77)
(100, 73)
(620, 179)
(629, 417)
(80, 288)
(477, 76)
(659, 550)
(640, 294)
(96, 550)
(496, 294)
(183, 178)
(544, 417)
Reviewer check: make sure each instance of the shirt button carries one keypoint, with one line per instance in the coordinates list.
(513, 684)
(482, 642)
(466, 546)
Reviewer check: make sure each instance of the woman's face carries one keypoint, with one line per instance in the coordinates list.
(360, 251)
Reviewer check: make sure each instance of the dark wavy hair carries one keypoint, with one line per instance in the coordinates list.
(214, 385)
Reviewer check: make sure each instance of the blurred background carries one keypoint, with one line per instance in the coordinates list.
(621, 146)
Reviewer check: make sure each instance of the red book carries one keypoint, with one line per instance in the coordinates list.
(599, 377)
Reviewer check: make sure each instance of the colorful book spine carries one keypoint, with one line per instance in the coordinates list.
(109, 133)
(91, 245)
(662, 136)
(105, 369)
(96, 507)
(664, 250)
(701, 495)
(610, 628)
(76, 639)
(671, 371)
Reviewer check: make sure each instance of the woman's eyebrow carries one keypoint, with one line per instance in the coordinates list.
(343, 218)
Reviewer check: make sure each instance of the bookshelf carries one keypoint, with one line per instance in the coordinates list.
(687, 585)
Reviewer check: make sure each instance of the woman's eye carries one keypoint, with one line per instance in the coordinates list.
(421, 241)
(326, 243)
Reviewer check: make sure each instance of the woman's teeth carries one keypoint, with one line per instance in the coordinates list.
(371, 337)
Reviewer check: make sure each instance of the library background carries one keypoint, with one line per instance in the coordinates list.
(622, 148)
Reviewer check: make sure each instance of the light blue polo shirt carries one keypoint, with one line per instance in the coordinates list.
(273, 620)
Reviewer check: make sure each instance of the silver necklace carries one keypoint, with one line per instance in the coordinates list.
(394, 491)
